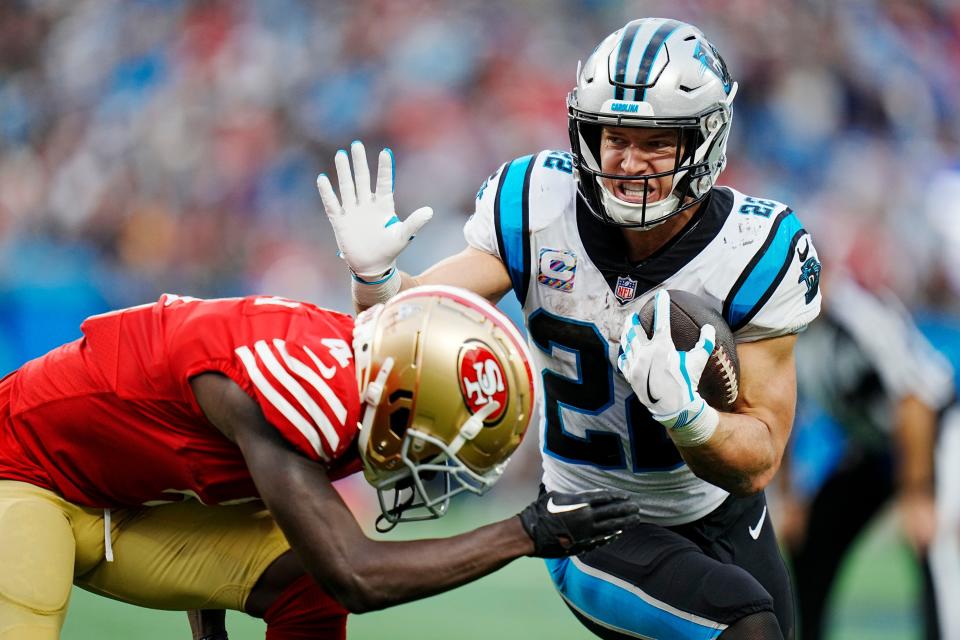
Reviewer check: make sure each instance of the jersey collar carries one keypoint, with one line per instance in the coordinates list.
(608, 250)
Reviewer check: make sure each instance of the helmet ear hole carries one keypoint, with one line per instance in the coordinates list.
(400, 421)
(400, 393)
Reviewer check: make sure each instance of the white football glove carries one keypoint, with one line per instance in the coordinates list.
(369, 233)
(665, 379)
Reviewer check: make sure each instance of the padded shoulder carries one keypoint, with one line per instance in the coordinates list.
(523, 196)
(777, 289)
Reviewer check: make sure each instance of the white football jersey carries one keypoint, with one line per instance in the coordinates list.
(748, 257)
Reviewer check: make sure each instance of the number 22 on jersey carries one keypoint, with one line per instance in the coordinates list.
(592, 394)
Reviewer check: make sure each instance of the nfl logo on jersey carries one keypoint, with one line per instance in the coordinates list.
(626, 289)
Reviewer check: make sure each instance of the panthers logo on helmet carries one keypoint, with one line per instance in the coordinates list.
(810, 274)
(710, 58)
(482, 380)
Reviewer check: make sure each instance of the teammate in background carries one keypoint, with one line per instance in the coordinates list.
(584, 239)
(112, 445)
(868, 367)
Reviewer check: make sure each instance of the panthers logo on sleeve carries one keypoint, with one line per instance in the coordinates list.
(777, 291)
(809, 272)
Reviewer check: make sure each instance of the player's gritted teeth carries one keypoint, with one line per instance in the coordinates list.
(633, 191)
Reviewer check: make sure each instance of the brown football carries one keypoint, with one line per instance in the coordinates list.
(720, 382)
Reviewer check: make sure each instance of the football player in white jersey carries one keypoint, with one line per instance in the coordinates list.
(584, 239)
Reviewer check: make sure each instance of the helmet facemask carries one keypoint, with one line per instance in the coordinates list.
(423, 489)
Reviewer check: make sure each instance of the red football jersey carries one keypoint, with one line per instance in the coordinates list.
(110, 419)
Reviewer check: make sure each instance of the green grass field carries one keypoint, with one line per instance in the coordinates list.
(874, 600)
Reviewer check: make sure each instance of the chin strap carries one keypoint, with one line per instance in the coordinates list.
(472, 426)
(385, 522)
(657, 212)
(372, 394)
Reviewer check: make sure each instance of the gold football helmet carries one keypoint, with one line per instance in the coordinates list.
(448, 391)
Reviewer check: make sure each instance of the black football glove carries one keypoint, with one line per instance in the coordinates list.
(566, 524)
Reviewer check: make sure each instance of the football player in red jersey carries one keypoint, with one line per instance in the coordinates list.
(173, 456)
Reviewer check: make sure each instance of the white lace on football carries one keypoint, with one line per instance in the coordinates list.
(730, 382)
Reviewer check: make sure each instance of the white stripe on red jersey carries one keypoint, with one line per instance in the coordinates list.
(304, 371)
(275, 398)
(283, 375)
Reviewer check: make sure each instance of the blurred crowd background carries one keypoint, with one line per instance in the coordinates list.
(171, 145)
(167, 145)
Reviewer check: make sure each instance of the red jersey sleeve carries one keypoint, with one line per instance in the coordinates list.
(294, 359)
(290, 383)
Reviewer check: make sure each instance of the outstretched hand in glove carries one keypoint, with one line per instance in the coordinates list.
(369, 233)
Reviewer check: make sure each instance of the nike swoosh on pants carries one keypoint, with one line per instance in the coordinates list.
(755, 531)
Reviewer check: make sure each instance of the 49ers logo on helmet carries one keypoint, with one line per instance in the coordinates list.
(482, 380)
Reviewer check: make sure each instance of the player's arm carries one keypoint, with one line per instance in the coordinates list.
(921, 383)
(365, 574)
(747, 447)
(471, 269)
(914, 433)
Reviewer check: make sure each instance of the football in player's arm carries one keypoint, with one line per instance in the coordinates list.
(584, 239)
(249, 408)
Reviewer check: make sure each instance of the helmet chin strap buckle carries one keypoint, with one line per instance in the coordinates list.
(472, 427)
(714, 121)
(374, 392)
